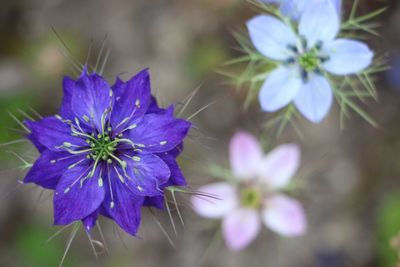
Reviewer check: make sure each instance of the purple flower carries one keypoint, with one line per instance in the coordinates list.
(255, 196)
(306, 58)
(110, 151)
(294, 8)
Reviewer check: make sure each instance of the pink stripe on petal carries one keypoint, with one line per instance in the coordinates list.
(278, 167)
(240, 228)
(284, 216)
(245, 155)
(215, 200)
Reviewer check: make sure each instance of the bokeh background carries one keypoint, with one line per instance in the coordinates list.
(350, 176)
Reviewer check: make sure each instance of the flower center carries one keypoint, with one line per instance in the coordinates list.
(103, 147)
(251, 197)
(309, 61)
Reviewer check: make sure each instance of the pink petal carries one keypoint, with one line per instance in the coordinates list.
(284, 216)
(240, 228)
(278, 167)
(245, 155)
(221, 200)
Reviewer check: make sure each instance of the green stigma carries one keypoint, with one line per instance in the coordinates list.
(251, 198)
(309, 61)
(103, 147)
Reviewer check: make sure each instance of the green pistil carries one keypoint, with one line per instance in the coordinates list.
(309, 61)
(103, 147)
(251, 198)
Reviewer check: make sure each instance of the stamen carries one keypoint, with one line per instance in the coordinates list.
(75, 164)
(110, 187)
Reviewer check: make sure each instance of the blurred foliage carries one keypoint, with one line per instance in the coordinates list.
(204, 57)
(10, 130)
(32, 249)
(388, 227)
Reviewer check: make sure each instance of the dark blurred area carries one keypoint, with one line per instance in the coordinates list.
(350, 175)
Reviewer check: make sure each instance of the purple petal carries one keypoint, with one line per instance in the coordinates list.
(284, 216)
(41, 148)
(118, 88)
(347, 57)
(91, 100)
(123, 206)
(177, 177)
(279, 89)
(154, 108)
(245, 155)
(53, 133)
(133, 101)
(146, 173)
(314, 99)
(319, 23)
(240, 228)
(157, 202)
(215, 200)
(77, 195)
(159, 133)
(90, 221)
(280, 165)
(49, 167)
(271, 37)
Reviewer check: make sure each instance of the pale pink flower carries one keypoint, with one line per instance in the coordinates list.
(256, 196)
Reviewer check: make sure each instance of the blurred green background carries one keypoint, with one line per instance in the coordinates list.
(352, 195)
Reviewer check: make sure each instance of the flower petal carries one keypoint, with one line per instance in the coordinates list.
(314, 99)
(90, 221)
(271, 37)
(279, 89)
(280, 165)
(177, 177)
(240, 228)
(294, 8)
(215, 201)
(53, 133)
(245, 154)
(284, 216)
(158, 133)
(147, 172)
(338, 6)
(347, 57)
(77, 196)
(91, 100)
(123, 206)
(49, 167)
(319, 22)
(156, 202)
(133, 101)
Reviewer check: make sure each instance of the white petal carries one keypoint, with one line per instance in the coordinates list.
(284, 216)
(293, 8)
(279, 89)
(314, 99)
(240, 228)
(245, 155)
(280, 165)
(319, 22)
(271, 37)
(347, 57)
(219, 200)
